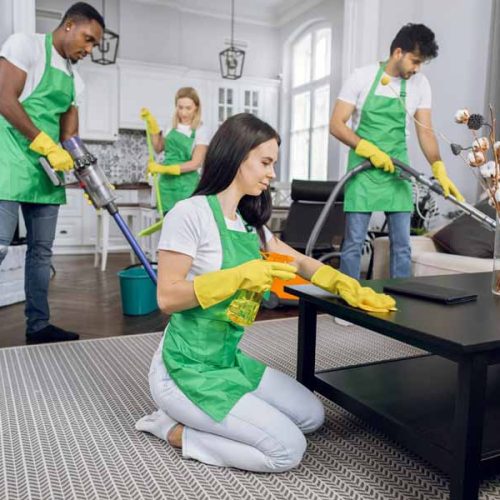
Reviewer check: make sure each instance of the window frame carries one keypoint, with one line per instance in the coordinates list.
(311, 86)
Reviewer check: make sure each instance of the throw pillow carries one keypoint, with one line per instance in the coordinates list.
(466, 236)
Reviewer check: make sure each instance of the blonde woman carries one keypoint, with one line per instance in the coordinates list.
(185, 146)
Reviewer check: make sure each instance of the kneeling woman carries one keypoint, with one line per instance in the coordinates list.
(219, 405)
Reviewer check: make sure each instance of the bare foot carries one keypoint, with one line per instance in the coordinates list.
(175, 436)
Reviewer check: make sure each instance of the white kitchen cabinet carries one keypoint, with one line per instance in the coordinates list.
(154, 86)
(77, 221)
(243, 96)
(146, 85)
(98, 113)
(69, 229)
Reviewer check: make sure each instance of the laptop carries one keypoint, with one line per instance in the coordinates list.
(435, 293)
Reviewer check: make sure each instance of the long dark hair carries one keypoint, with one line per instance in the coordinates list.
(227, 150)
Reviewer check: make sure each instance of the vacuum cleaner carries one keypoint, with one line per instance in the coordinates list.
(404, 172)
(94, 182)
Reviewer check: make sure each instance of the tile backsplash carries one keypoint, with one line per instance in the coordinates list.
(125, 159)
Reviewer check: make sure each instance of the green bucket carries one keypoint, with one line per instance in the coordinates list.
(138, 292)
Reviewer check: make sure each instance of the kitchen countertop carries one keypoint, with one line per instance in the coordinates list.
(127, 185)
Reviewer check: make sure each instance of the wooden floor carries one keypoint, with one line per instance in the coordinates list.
(87, 301)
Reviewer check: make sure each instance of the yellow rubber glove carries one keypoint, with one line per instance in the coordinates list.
(255, 275)
(158, 168)
(351, 291)
(150, 120)
(439, 172)
(377, 157)
(59, 158)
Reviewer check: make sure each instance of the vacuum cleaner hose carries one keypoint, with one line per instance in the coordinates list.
(405, 172)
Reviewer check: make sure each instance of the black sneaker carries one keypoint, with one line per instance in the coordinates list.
(50, 333)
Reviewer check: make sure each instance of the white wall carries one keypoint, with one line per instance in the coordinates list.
(111, 14)
(6, 27)
(262, 58)
(331, 11)
(16, 16)
(458, 75)
(163, 34)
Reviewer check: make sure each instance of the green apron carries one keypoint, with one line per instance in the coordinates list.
(22, 178)
(174, 188)
(382, 122)
(200, 350)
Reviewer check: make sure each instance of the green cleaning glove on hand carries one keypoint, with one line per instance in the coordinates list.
(150, 120)
(158, 168)
(59, 158)
(377, 157)
(351, 291)
(439, 172)
(256, 275)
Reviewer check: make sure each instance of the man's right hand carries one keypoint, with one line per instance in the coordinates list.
(150, 120)
(377, 157)
(59, 158)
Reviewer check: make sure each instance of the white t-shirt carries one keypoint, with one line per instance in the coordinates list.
(356, 88)
(27, 52)
(190, 228)
(201, 136)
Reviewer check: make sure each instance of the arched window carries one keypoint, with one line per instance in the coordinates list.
(310, 104)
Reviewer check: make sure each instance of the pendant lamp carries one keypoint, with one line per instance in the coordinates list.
(105, 53)
(232, 59)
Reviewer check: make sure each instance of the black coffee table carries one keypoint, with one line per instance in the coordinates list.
(445, 406)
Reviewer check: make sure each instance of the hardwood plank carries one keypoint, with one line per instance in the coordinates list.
(87, 301)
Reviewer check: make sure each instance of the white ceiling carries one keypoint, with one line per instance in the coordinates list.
(262, 12)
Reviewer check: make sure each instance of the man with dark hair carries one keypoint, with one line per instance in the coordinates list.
(39, 92)
(381, 99)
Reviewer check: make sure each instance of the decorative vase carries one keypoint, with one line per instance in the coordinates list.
(495, 282)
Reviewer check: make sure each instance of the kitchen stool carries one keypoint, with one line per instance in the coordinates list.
(130, 213)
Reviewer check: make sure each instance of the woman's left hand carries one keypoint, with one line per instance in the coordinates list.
(367, 299)
(351, 291)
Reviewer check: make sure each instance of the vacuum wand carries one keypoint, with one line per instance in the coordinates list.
(405, 172)
(94, 182)
(472, 211)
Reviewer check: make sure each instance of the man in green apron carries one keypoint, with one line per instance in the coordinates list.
(380, 99)
(37, 94)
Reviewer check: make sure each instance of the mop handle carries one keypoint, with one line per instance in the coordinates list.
(159, 205)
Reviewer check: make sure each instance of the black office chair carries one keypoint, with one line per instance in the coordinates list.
(308, 199)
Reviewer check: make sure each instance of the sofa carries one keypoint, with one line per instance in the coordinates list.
(427, 259)
(463, 245)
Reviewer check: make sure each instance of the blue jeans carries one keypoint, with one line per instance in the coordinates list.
(40, 223)
(399, 237)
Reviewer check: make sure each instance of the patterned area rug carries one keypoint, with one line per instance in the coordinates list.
(67, 415)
